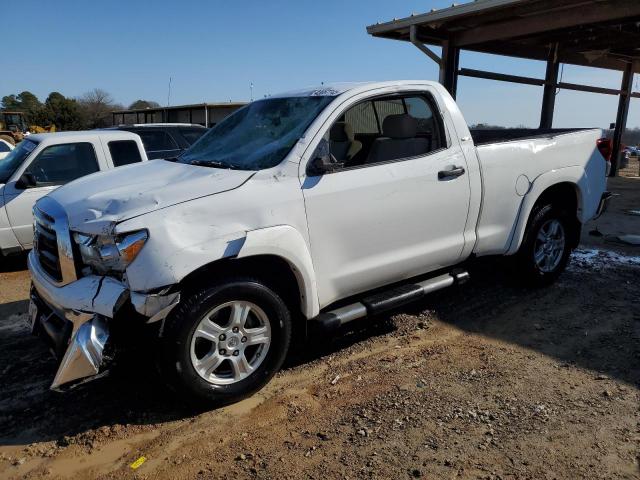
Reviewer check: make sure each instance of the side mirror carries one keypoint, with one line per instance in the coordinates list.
(26, 180)
(323, 162)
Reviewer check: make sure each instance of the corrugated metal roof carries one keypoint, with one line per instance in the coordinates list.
(443, 14)
(599, 33)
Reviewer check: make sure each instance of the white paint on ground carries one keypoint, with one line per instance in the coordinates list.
(600, 258)
(14, 323)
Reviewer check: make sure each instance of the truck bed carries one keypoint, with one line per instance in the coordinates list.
(511, 161)
(482, 136)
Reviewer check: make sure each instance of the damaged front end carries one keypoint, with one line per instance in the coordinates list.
(76, 309)
(78, 320)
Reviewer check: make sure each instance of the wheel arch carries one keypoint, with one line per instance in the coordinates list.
(276, 255)
(562, 187)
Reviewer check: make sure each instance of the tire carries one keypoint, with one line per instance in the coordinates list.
(213, 363)
(9, 139)
(546, 246)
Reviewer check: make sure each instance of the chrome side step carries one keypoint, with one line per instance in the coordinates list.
(387, 300)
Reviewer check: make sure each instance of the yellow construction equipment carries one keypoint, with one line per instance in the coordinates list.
(13, 127)
(38, 129)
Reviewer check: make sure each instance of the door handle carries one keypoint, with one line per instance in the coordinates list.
(452, 173)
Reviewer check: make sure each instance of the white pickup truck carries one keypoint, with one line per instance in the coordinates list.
(43, 162)
(306, 209)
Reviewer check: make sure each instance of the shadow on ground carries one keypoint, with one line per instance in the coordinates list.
(590, 319)
(13, 263)
(30, 412)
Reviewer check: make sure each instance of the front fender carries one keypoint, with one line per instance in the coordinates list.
(287, 243)
(576, 176)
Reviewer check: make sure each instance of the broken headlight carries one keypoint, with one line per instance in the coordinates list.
(108, 253)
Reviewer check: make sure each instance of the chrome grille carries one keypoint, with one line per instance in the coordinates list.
(52, 241)
(45, 243)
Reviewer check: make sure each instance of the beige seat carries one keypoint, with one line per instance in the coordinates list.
(399, 140)
(342, 142)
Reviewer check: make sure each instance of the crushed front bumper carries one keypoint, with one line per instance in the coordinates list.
(75, 318)
(81, 352)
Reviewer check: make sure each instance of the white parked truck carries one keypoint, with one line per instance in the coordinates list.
(309, 209)
(42, 162)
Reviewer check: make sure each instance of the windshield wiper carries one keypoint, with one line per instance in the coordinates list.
(214, 164)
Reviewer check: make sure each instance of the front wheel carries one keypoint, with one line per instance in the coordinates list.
(546, 246)
(225, 342)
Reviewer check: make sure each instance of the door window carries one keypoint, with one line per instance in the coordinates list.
(59, 164)
(428, 124)
(124, 152)
(386, 129)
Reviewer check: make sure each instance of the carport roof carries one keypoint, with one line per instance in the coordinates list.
(181, 107)
(596, 33)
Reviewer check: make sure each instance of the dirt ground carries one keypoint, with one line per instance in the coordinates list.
(487, 380)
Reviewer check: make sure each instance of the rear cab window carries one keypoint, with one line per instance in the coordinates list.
(386, 107)
(191, 135)
(158, 144)
(124, 152)
(362, 117)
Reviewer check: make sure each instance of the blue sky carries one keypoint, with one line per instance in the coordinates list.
(213, 50)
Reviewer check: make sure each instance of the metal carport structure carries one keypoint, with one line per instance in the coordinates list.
(593, 33)
(206, 114)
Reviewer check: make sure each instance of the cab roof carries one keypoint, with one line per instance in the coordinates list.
(338, 88)
(63, 137)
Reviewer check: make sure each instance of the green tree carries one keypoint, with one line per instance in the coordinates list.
(10, 102)
(63, 112)
(25, 102)
(142, 104)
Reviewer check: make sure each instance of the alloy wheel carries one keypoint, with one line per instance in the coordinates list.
(230, 342)
(549, 246)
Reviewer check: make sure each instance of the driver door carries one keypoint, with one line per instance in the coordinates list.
(53, 166)
(374, 221)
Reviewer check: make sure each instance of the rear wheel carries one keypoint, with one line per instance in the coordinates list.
(546, 246)
(225, 341)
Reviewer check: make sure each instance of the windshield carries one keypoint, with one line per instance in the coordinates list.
(11, 162)
(257, 136)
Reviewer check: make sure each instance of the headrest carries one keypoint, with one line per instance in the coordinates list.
(341, 132)
(400, 126)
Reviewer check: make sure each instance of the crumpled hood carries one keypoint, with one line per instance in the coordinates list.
(94, 204)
